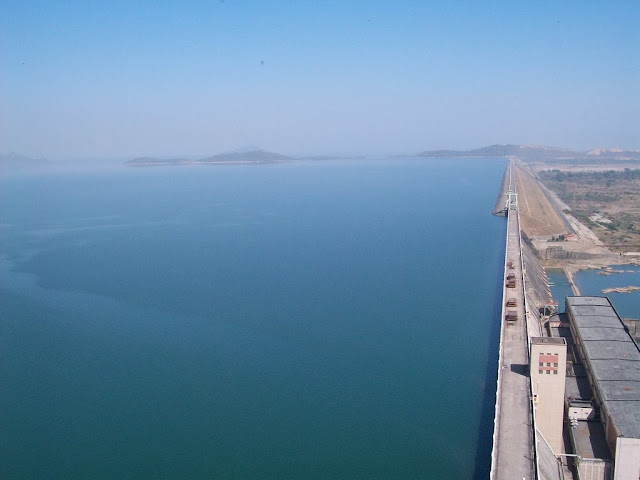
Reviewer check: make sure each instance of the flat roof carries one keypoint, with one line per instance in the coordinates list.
(613, 357)
(577, 388)
(547, 340)
(590, 441)
(589, 300)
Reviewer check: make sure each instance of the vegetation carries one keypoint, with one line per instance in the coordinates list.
(591, 176)
(607, 201)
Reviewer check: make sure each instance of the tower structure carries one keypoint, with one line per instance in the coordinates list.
(548, 372)
(512, 200)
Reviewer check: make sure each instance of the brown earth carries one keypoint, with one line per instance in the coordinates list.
(605, 200)
(538, 216)
(546, 219)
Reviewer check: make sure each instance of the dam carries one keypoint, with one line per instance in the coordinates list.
(513, 455)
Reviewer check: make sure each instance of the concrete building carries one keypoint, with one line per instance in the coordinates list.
(547, 368)
(611, 362)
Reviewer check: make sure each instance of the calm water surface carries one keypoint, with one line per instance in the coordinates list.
(310, 320)
(560, 287)
(592, 282)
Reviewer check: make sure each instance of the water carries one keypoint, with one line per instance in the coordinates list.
(313, 320)
(560, 287)
(591, 283)
(627, 304)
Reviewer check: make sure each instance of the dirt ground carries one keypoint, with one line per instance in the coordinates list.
(607, 201)
(538, 216)
(546, 219)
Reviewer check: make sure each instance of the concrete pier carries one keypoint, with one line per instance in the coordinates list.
(513, 454)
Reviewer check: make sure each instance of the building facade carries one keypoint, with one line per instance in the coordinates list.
(548, 361)
(611, 361)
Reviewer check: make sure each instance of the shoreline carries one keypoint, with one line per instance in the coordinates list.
(569, 274)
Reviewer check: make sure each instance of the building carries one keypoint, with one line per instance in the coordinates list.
(611, 362)
(548, 360)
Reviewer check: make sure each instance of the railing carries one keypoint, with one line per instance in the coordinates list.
(526, 320)
(496, 418)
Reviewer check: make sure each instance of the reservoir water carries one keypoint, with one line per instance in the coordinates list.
(333, 319)
(592, 282)
(560, 286)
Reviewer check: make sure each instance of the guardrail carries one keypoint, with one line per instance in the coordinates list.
(527, 315)
(496, 417)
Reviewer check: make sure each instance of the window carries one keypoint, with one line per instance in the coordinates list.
(555, 364)
(541, 364)
(555, 372)
(547, 372)
(540, 370)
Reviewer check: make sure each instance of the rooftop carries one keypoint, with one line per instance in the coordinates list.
(577, 388)
(548, 340)
(590, 441)
(613, 357)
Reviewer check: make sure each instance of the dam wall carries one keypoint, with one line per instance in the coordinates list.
(513, 454)
(537, 291)
(559, 253)
(500, 207)
(519, 451)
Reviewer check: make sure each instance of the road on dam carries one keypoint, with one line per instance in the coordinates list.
(513, 454)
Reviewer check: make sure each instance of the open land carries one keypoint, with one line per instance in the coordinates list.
(578, 209)
(580, 216)
(607, 201)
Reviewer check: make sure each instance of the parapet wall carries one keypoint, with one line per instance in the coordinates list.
(559, 253)
(537, 291)
(501, 201)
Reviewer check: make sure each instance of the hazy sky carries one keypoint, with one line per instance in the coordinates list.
(128, 78)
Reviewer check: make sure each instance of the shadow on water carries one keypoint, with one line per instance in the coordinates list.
(485, 432)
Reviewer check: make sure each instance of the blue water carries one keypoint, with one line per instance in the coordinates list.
(313, 320)
(627, 304)
(560, 287)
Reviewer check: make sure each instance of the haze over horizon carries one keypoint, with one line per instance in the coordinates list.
(199, 78)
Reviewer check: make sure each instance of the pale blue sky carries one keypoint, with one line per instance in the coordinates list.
(129, 78)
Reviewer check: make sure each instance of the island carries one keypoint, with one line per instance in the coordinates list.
(247, 157)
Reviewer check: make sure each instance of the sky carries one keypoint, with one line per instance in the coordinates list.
(133, 78)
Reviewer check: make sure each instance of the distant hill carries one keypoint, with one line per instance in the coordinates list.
(499, 151)
(248, 157)
(148, 161)
(16, 161)
(527, 153)
(614, 153)
(491, 151)
(252, 156)
(532, 153)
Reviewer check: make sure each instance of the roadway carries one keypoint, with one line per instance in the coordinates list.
(512, 455)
